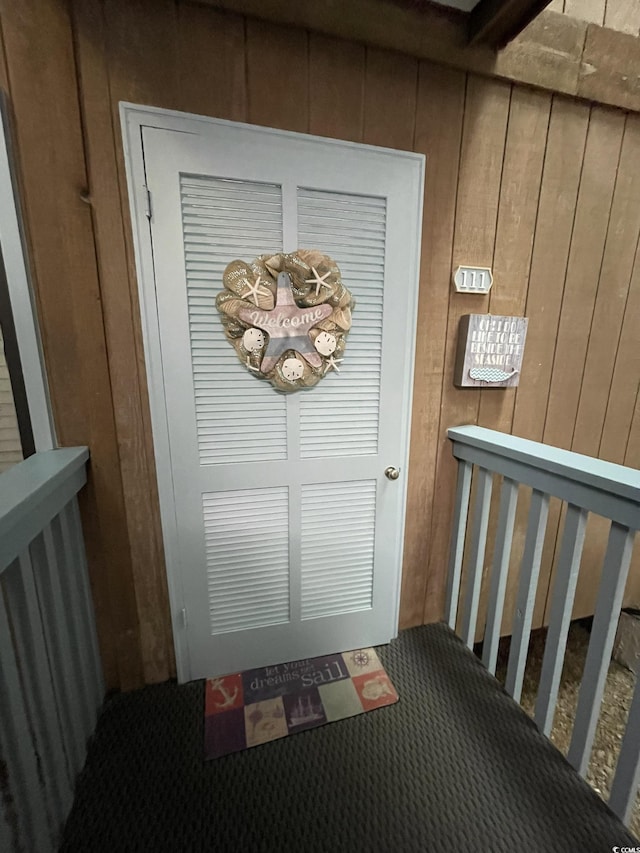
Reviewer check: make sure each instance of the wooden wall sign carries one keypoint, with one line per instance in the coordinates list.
(490, 350)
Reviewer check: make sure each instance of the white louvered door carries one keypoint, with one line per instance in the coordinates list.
(283, 536)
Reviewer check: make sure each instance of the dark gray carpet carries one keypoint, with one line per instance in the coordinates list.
(454, 766)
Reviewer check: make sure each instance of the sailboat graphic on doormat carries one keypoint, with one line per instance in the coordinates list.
(305, 712)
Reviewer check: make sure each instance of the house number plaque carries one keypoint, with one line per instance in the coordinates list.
(490, 351)
(473, 279)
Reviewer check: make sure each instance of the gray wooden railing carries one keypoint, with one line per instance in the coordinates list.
(585, 485)
(50, 674)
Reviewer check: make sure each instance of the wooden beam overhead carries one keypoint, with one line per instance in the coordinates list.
(555, 52)
(497, 22)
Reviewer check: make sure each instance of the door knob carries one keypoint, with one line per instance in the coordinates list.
(391, 473)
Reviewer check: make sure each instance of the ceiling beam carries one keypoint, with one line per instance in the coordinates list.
(556, 52)
(496, 22)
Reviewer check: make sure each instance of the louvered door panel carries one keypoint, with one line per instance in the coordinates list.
(338, 538)
(341, 417)
(223, 220)
(247, 547)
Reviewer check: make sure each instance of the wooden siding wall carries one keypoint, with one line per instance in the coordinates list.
(621, 15)
(542, 188)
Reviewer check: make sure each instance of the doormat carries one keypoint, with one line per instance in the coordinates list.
(253, 707)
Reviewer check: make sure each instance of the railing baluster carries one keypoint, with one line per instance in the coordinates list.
(58, 563)
(17, 751)
(71, 571)
(458, 531)
(529, 571)
(564, 590)
(22, 601)
(49, 663)
(476, 561)
(625, 783)
(55, 617)
(585, 484)
(500, 572)
(72, 530)
(605, 621)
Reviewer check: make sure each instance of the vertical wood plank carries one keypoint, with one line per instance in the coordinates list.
(458, 535)
(4, 74)
(44, 97)
(476, 556)
(439, 113)
(500, 572)
(623, 390)
(612, 293)
(561, 605)
(560, 181)
(142, 46)
(521, 185)
(390, 99)
(140, 39)
(482, 149)
(623, 15)
(605, 339)
(529, 572)
(390, 103)
(566, 140)
(517, 214)
(591, 224)
(122, 321)
(336, 88)
(585, 259)
(16, 747)
(141, 49)
(605, 622)
(586, 10)
(211, 62)
(277, 76)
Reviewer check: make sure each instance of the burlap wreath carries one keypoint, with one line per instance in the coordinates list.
(263, 311)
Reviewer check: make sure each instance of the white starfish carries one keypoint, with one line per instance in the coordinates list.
(251, 367)
(318, 280)
(332, 364)
(254, 290)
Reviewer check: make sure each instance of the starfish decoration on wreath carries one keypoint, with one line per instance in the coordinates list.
(318, 280)
(332, 364)
(254, 290)
(287, 325)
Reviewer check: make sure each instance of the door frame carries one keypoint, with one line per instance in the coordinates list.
(134, 118)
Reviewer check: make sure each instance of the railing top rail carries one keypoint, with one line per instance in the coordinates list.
(607, 477)
(33, 492)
